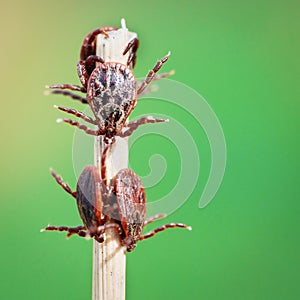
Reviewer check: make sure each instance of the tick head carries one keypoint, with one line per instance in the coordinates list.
(129, 243)
(109, 137)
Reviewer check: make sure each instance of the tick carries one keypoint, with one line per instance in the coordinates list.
(121, 205)
(111, 89)
(88, 48)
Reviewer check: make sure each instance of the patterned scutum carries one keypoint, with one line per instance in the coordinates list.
(112, 96)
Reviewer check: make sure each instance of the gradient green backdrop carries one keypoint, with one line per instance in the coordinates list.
(243, 57)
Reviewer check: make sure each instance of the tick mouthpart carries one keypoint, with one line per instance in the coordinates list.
(110, 133)
(129, 243)
(109, 140)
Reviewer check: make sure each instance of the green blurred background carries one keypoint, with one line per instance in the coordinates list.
(243, 57)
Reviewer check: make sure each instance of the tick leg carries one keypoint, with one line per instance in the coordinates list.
(103, 165)
(69, 94)
(135, 124)
(101, 229)
(75, 230)
(72, 87)
(162, 228)
(150, 76)
(89, 48)
(159, 76)
(82, 73)
(80, 126)
(153, 88)
(154, 218)
(79, 230)
(133, 44)
(77, 114)
(64, 185)
(90, 64)
(93, 59)
(98, 232)
(163, 75)
(89, 44)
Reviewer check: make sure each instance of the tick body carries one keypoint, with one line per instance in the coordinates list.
(111, 95)
(131, 205)
(110, 89)
(89, 198)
